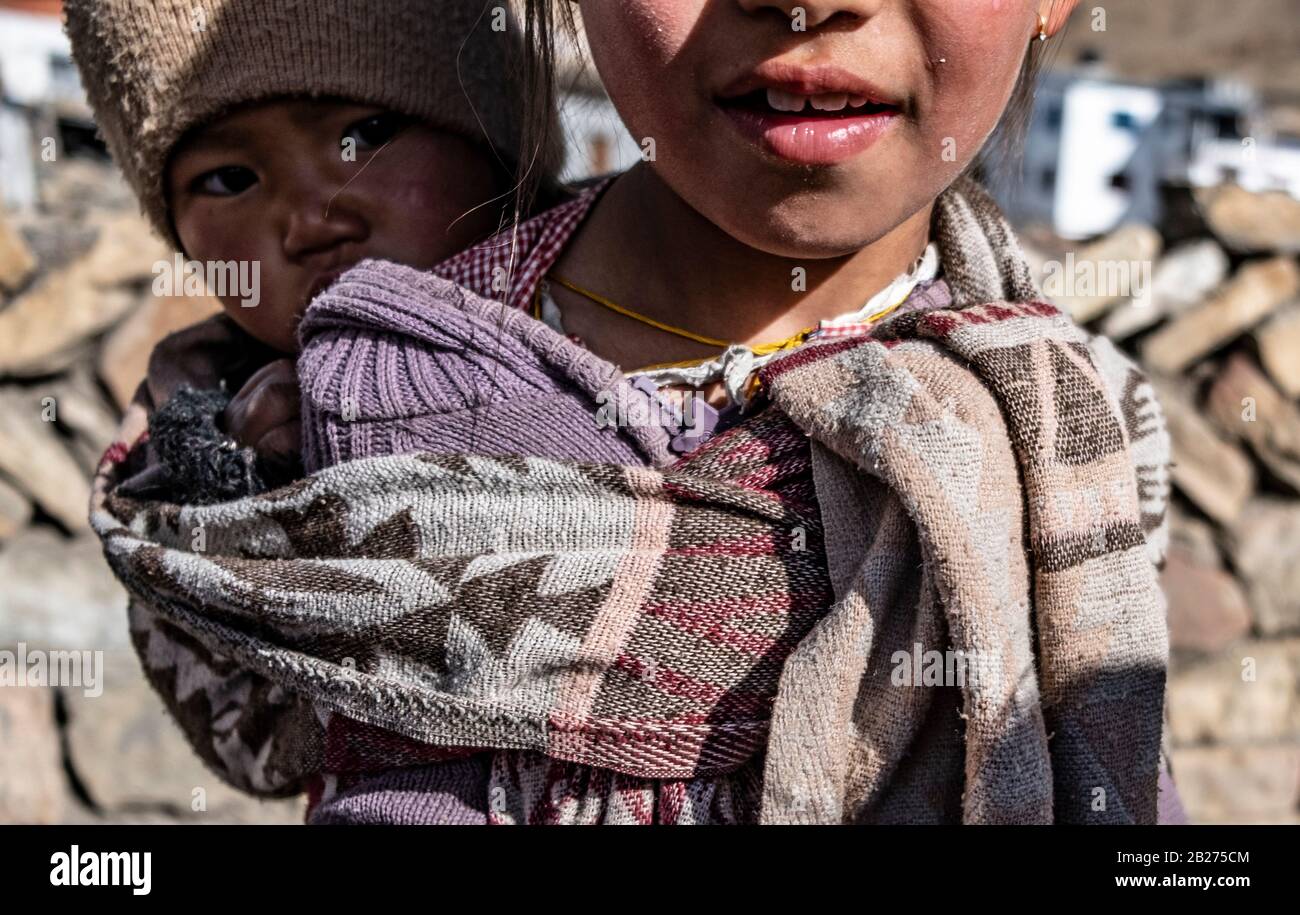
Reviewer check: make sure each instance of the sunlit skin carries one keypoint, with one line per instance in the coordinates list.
(707, 235)
(271, 184)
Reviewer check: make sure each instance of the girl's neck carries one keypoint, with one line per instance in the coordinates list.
(645, 248)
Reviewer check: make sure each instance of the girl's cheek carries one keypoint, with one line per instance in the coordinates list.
(975, 49)
(637, 45)
(641, 29)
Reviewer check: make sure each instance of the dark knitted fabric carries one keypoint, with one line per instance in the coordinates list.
(203, 464)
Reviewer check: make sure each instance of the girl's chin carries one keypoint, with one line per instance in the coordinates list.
(797, 245)
(809, 220)
(786, 232)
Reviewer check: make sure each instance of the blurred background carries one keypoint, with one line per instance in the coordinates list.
(1159, 196)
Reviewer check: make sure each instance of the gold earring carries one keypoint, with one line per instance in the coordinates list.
(1042, 27)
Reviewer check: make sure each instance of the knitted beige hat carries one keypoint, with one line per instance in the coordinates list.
(155, 69)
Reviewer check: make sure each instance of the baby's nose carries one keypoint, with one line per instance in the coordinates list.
(320, 221)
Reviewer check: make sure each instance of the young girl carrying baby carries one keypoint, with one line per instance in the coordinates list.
(895, 449)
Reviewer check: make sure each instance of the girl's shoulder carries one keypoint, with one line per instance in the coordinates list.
(509, 266)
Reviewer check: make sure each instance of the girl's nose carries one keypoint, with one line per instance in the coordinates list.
(318, 220)
(815, 12)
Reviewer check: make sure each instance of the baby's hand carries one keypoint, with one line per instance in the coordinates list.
(264, 415)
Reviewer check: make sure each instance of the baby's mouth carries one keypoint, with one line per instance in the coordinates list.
(325, 281)
(321, 284)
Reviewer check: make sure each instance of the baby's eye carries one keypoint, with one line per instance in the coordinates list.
(226, 181)
(375, 131)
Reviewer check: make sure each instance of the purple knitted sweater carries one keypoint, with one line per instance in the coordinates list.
(395, 360)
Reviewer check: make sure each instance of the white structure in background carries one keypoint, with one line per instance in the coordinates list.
(1100, 151)
(39, 94)
(596, 142)
(1101, 129)
(1257, 165)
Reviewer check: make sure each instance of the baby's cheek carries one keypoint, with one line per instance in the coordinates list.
(264, 323)
(430, 213)
(268, 304)
(263, 279)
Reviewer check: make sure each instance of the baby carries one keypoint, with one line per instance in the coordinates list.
(295, 139)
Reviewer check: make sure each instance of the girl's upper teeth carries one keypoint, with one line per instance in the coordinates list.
(785, 101)
(831, 101)
(781, 100)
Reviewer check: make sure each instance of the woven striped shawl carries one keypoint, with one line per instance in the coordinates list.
(986, 482)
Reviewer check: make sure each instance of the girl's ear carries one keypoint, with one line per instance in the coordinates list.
(1052, 16)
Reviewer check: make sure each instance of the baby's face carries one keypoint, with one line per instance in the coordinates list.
(307, 188)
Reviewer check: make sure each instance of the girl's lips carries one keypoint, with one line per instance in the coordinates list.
(817, 115)
(812, 139)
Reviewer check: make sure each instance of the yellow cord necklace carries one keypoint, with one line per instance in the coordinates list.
(760, 349)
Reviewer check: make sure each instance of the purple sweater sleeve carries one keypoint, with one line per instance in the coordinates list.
(395, 360)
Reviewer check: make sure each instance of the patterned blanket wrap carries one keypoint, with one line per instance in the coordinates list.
(987, 481)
